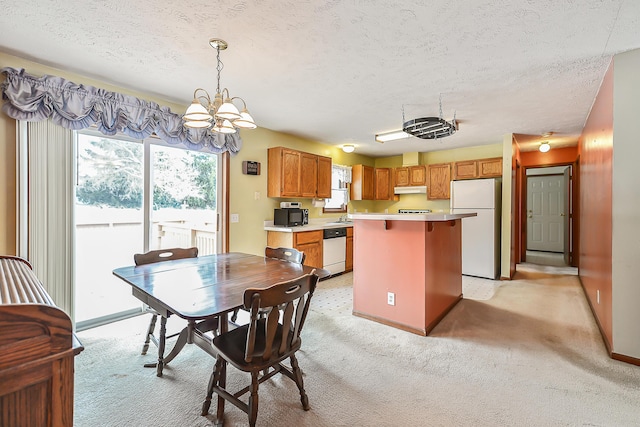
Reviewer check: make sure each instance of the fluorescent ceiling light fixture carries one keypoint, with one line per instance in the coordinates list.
(348, 148)
(391, 136)
(544, 147)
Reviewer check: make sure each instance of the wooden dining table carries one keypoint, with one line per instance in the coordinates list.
(204, 290)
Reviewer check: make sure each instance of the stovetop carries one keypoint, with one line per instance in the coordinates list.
(414, 211)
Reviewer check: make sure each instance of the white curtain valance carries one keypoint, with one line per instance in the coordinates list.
(76, 106)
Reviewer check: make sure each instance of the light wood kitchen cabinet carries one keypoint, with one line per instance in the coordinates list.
(439, 181)
(293, 173)
(324, 177)
(490, 168)
(383, 187)
(465, 170)
(410, 176)
(362, 182)
(481, 168)
(309, 242)
(308, 175)
(348, 265)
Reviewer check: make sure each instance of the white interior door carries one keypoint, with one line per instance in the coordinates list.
(568, 214)
(545, 213)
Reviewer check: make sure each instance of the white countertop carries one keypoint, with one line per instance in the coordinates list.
(321, 224)
(433, 216)
(314, 224)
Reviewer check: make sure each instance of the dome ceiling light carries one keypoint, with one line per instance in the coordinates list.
(544, 145)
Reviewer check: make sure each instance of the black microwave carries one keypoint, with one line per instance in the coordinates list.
(290, 217)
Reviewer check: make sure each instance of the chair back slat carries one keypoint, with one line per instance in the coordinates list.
(286, 306)
(285, 254)
(287, 315)
(165, 255)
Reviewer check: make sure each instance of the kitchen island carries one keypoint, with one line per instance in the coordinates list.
(407, 270)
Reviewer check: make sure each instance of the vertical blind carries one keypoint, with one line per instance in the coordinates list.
(48, 217)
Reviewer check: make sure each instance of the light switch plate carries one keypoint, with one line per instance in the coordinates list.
(235, 217)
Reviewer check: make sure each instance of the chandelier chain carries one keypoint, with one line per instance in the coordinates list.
(219, 67)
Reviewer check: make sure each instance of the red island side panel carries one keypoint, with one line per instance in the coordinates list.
(419, 261)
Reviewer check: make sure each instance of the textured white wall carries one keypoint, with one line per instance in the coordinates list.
(626, 203)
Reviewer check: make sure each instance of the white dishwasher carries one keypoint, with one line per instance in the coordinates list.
(334, 249)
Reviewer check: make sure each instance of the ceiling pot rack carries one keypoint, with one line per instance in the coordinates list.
(429, 127)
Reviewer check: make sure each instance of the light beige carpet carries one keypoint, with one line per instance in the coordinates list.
(529, 356)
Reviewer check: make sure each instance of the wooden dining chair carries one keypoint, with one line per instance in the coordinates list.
(285, 254)
(149, 258)
(260, 346)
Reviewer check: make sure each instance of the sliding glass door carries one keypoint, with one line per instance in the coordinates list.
(133, 196)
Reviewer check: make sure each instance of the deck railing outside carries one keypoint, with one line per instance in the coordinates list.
(107, 239)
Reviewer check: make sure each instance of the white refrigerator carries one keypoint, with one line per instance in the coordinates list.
(480, 234)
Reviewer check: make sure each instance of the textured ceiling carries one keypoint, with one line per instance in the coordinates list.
(342, 71)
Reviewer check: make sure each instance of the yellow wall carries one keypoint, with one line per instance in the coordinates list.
(248, 193)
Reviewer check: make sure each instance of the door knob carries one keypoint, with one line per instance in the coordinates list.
(530, 216)
(561, 214)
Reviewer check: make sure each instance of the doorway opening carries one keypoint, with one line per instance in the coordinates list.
(548, 208)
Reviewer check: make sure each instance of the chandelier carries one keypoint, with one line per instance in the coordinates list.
(430, 127)
(220, 115)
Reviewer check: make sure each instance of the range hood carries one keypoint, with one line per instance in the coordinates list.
(418, 189)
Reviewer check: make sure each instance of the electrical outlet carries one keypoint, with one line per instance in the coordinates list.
(235, 217)
(598, 296)
(391, 298)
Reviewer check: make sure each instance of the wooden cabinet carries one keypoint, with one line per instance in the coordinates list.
(348, 265)
(308, 175)
(465, 170)
(439, 180)
(410, 176)
(490, 168)
(383, 187)
(310, 242)
(293, 173)
(362, 182)
(37, 348)
(482, 168)
(324, 177)
(368, 183)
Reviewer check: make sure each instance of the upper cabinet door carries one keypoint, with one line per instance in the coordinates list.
(417, 175)
(362, 182)
(490, 168)
(283, 172)
(290, 173)
(308, 174)
(465, 170)
(438, 186)
(324, 177)
(402, 176)
(384, 184)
